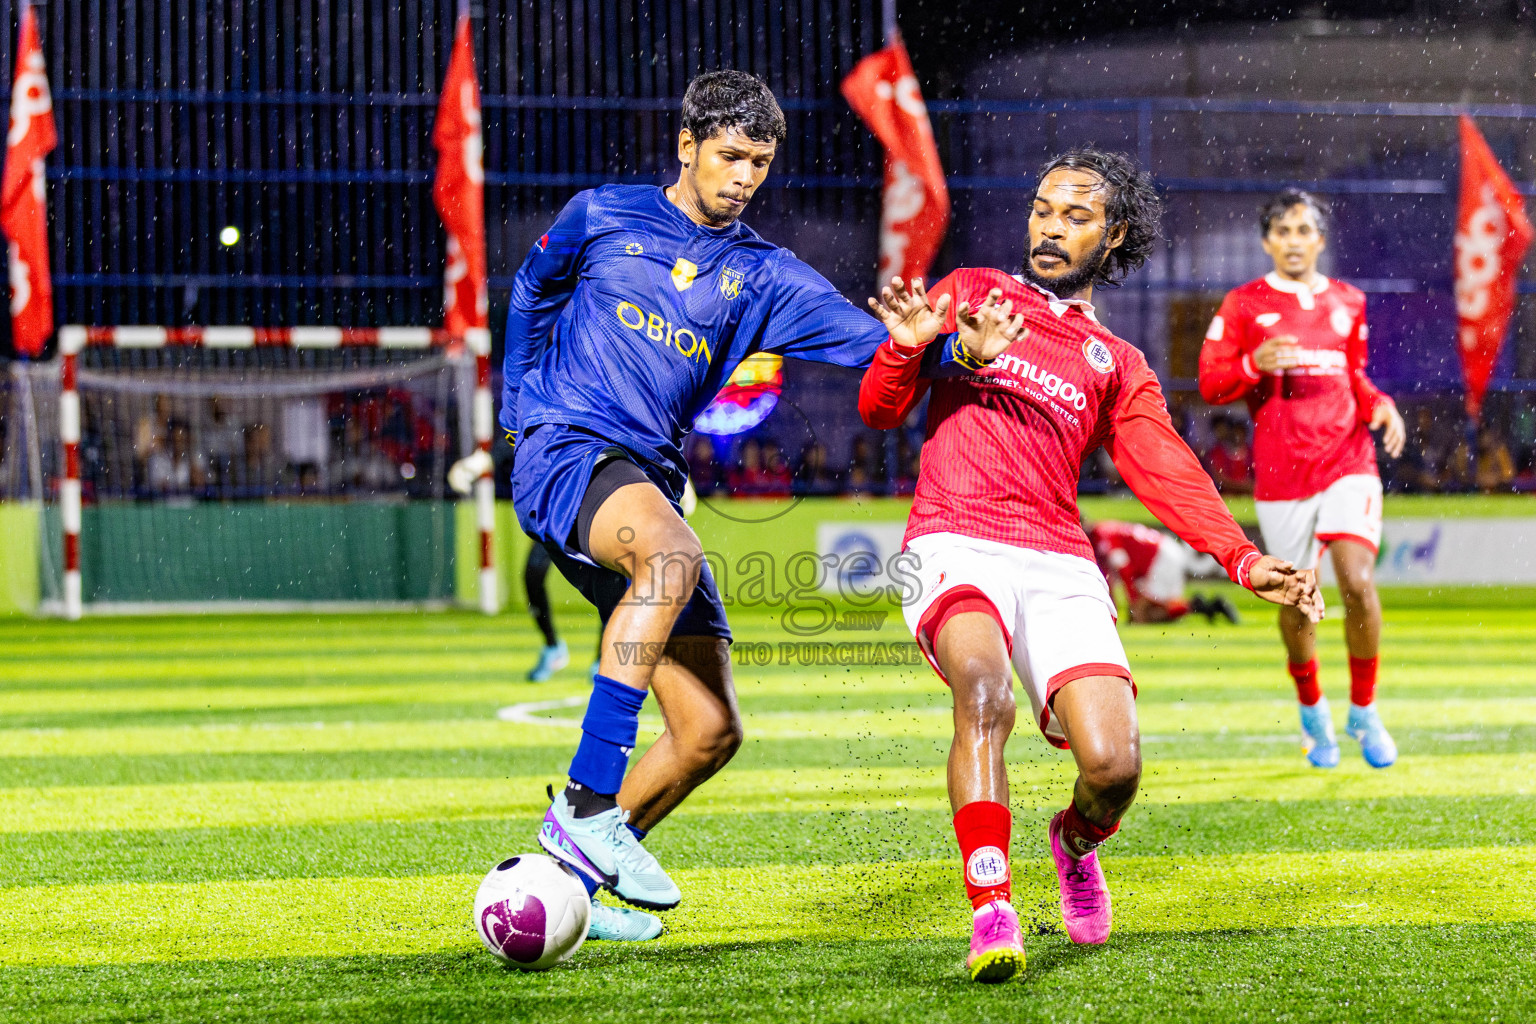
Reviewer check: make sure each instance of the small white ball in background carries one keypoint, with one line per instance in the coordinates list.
(532, 912)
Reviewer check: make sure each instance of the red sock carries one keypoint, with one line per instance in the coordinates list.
(982, 829)
(1307, 689)
(1362, 680)
(1079, 836)
(1177, 609)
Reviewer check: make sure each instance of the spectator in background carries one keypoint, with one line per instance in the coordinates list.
(777, 481)
(173, 467)
(256, 476)
(746, 478)
(1230, 459)
(220, 441)
(1495, 467)
(1459, 469)
(703, 467)
(811, 473)
(866, 471)
(150, 432)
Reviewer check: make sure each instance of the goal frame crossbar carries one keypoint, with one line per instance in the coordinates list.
(74, 339)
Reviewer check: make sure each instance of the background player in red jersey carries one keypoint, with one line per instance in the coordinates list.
(1004, 569)
(1152, 567)
(1293, 346)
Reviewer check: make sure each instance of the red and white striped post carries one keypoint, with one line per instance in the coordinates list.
(73, 339)
(483, 423)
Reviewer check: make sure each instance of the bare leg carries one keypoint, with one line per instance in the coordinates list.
(974, 656)
(1299, 634)
(1355, 567)
(703, 729)
(638, 533)
(1098, 714)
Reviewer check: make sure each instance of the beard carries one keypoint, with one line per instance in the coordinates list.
(716, 210)
(1077, 277)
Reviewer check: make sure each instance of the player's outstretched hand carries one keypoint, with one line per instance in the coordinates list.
(1278, 354)
(1281, 582)
(1389, 421)
(989, 330)
(908, 318)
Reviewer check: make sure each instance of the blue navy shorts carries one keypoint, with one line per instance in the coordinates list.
(551, 474)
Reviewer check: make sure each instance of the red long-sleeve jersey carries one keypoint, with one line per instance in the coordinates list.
(1126, 550)
(1005, 442)
(1309, 423)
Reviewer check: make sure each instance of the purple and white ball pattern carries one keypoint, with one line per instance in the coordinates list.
(532, 912)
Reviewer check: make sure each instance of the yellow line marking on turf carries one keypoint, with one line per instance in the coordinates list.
(333, 917)
(805, 790)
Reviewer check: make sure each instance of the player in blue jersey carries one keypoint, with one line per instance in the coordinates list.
(626, 318)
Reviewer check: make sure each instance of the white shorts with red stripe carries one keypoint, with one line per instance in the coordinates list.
(1054, 610)
(1347, 509)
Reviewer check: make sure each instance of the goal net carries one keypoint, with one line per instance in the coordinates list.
(213, 468)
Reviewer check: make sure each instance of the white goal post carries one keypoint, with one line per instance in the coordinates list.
(74, 340)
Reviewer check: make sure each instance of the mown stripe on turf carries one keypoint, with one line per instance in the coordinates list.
(216, 804)
(128, 923)
(746, 838)
(762, 724)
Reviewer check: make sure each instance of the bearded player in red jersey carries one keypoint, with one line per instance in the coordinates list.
(1293, 346)
(1005, 571)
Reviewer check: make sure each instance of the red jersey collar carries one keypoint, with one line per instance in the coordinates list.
(1060, 306)
(1304, 295)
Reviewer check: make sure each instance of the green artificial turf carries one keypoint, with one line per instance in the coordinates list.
(283, 818)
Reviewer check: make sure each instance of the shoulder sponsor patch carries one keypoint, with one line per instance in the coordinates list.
(683, 273)
(1098, 354)
(1267, 319)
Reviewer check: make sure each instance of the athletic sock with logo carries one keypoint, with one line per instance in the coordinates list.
(1362, 681)
(1080, 836)
(608, 733)
(983, 830)
(1308, 690)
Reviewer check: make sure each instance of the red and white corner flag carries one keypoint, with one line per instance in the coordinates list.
(883, 91)
(1492, 234)
(459, 191)
(23, 193)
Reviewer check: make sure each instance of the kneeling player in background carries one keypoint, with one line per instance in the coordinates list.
(1005, 571)
(1152, 567)
(1293, 346)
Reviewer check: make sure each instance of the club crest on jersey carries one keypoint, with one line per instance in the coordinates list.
(1341, 321)
(683, 273)
(730, 282)
(1098, 354)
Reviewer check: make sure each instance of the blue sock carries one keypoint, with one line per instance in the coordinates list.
(608, 732)
(638, 833)
(586, 880)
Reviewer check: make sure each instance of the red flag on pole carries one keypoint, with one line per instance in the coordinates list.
(459, 191)
(1492, 234)
(23, 194)
(883, 91)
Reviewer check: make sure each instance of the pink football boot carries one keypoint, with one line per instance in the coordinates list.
(1084, 896)
(997, 944)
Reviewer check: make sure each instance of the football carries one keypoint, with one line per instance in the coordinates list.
(532, 912)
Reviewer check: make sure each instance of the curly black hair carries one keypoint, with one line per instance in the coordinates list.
(1132, 201)
(1279, 205)
(718, 101)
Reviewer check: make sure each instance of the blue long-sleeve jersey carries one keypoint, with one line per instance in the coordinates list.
(627, 318)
